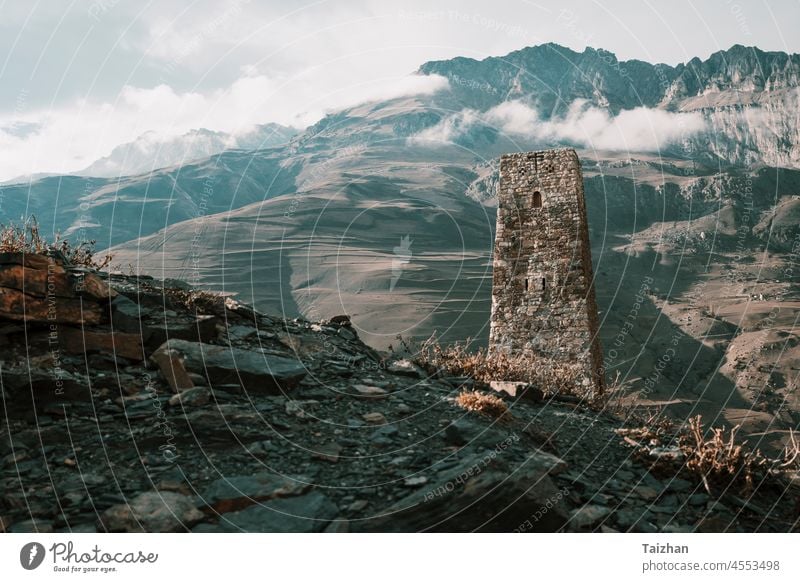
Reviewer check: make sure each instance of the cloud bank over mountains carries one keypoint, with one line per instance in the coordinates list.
(584, 124)
(70, 138)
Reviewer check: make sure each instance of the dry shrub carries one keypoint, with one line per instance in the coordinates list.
(487, 404)
(618, 400)
(23, 239)
(83, 254)
(181, 296)
(713, 456)
(646, 425)
(791, 454)
(28, 239)
(718, 460)
(203, 302)
(550, 376)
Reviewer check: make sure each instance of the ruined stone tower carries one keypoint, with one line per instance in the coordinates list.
(542, 295)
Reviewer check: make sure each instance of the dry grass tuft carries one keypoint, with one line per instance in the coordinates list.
(28, 239)
(458, 360)
(718, 460)
(487, 404)
(200, 301)
(791, 454)
(713, 456)
(22, 239)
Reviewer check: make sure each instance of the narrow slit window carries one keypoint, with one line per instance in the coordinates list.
(544, 283)
(537, 199)
(526, 284)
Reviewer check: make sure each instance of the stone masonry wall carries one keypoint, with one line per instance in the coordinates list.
(543, 300)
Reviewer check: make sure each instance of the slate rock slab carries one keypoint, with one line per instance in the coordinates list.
(308, 513)
(482, 492)
(197, 396)
(256, 372)
(235, 493)
(517, 390)
(153, 511)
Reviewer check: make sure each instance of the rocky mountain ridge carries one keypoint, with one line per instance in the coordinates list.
(598, 75)
(151, 151)
(748, 100)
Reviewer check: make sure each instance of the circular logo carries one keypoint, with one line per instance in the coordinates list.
(31, 555)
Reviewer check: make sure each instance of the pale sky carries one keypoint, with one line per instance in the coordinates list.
(79, 77)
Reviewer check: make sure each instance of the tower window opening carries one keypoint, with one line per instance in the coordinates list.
(544, 283)
(526, 284)
(537, 199)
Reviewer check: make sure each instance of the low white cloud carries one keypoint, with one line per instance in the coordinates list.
(390, 88)
(639, 129)
(448, 129)
(70, 138)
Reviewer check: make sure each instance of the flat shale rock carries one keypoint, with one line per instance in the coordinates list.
(78, 341)
(485, 493)
(31, 526)
(126, 315)
(235, 493)
(27, 389)
(42, 289)
(405, 368)
(517, 390)
(191, 328)
(18, 306)
(308, 513)
(256, 372)
(588, 516)
(170, 363)
(197, 396)
(33, 261)
(90, 285)
(36, 282)
(161, 511)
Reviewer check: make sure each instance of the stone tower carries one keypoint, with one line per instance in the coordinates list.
(543, 300)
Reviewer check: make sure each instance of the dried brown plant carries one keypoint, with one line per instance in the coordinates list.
(487, 404)
(552, 377)
(27, 238)
(791, 454)
(718, 459)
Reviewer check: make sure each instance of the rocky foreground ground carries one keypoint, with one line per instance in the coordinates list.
(131, 404)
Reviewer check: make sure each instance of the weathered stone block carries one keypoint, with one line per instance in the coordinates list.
(79, 341)
(256, 372)
(18, 306)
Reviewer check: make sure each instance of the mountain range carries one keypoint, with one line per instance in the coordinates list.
(385, 211)
(152, 151)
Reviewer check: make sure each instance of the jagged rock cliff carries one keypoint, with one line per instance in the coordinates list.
(748, 98)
